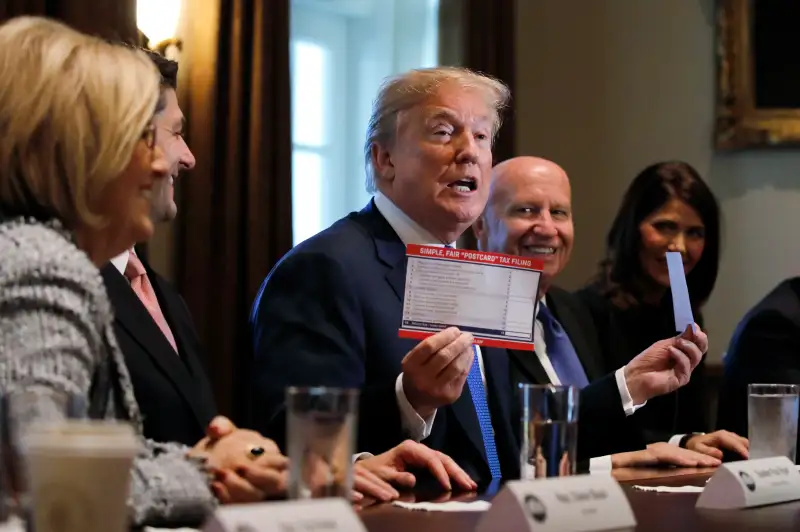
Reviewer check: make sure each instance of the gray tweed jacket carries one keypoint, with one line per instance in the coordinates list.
(56, 332)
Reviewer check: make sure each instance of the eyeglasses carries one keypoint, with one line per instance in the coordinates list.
(171, 131)
(149, 136)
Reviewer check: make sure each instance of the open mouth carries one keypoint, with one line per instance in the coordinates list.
(468, 184)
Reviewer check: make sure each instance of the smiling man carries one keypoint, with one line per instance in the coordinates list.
(529, 213)
(152, 324)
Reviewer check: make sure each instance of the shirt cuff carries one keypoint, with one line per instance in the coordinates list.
(625, 394)
(414, 426)
(600, 464)
(676, 439)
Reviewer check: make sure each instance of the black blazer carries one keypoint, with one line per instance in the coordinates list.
(765, 348)
(623, 334)
(603, 427)
(173, 392)
(328, 315)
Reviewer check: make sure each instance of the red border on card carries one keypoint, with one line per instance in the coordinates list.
(470, 255)
(487, 342)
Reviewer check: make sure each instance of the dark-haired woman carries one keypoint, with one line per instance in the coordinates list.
(668, 207)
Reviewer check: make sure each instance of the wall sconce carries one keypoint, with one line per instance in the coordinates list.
(158, 22)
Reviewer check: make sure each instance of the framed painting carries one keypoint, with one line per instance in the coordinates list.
(758, 74)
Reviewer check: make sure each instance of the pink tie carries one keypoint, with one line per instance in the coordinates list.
(137, 276)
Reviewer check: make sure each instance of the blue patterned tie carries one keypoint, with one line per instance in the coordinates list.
(478, 392)
(560, 351)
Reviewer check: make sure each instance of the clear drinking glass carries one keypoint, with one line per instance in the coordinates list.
(772, 412)
(549, 430)
(320, 431)
(19, 410)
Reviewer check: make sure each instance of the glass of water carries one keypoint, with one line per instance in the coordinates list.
(20, 409)
(772, 412)
(320, 433)
(549, 430)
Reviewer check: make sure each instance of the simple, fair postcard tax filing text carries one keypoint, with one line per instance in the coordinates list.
(491, 295)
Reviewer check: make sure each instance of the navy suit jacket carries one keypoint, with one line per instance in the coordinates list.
(328, 314)
(603, 427)
(765, 348)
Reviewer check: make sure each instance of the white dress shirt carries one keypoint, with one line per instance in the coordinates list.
(414, 425)
(120, 262)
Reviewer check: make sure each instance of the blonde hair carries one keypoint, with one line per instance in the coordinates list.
(72, 108)
(402, 92)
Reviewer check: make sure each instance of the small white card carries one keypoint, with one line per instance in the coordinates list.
(491, 295)
(681, 304)
(580, 503)
(331, 515)
(749, 483)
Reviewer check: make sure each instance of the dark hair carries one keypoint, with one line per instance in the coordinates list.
(169, 75)
(651, 189)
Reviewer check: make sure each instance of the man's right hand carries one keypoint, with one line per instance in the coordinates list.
(661, 453)
(665, 366)
(434, 371)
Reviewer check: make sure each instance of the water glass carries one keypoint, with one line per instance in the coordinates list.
(80, 474)
(19, 411)
(772, 412)
(320, 432)
(549, 431)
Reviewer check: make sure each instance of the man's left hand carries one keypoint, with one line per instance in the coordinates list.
(714, 443)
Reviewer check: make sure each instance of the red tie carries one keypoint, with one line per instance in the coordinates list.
(137, 276)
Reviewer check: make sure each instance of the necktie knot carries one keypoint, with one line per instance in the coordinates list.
(135, 268)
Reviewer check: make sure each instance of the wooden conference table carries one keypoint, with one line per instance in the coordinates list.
(654, 511)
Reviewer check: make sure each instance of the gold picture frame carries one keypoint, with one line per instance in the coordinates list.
(740, 123)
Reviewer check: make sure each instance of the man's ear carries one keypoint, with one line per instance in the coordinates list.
(382, 161)
(479, 228)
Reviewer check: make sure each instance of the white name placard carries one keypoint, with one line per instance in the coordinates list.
(749, 483)
(580, 503)
(316, 515)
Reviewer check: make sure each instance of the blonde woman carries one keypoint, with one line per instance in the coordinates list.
(78, 162)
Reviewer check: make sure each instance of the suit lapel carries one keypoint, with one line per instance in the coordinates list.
(576, 334)
(202, 401)
(529, 365)
(388, 247)
(132, 316)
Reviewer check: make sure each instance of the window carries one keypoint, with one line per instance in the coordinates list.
(341, 50)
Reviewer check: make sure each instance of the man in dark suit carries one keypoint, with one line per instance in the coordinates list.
(765, 348)
(154, 328)
(328, 314)
(529, 213)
